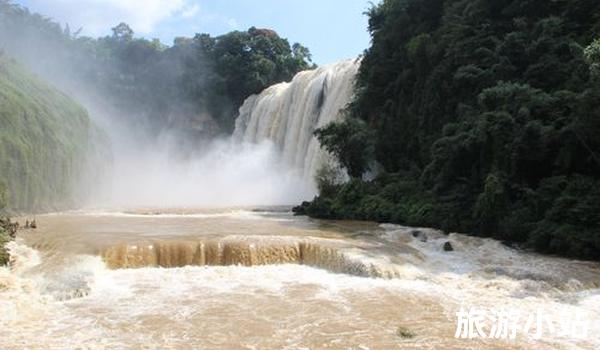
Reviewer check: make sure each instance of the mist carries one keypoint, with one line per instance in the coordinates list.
(166, 172)
(225, 174)
(164, 113)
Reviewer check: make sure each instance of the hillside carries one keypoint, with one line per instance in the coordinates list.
(482, 117)
(44, 137)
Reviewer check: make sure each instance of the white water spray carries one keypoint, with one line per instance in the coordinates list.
(270, 160)
(289, 113)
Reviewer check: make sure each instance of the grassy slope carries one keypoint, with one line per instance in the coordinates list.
(43, 141)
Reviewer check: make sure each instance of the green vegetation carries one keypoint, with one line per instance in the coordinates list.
(194, 86)
(4, 239)
(350, 142)
(485, 116)
(4, 236)
(43, 142)
(222, 72)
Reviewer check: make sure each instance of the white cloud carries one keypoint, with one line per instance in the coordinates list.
(98, 16)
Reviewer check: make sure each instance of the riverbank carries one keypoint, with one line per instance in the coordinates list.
(489, 130)
(8, 231)
(567, 221)
(4, 239)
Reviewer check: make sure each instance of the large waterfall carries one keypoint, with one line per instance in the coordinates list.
(289, 113)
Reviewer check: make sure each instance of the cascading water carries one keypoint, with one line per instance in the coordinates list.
(231, 278)
(288, 113)
(270, 159)
(234, 278)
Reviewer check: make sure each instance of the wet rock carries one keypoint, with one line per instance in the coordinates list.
(405, 333)
(448, 247)
(420, 235)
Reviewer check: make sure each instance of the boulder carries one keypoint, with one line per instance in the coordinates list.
(448, 247)
(419, 235)
(405, 333)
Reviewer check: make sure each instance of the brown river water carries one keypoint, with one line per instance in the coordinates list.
(264, 279)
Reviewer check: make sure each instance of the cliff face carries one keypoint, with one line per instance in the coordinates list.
(45, 140)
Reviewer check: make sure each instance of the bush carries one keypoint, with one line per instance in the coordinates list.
(328, 178)
(351, 142)
(491, 205)
(4, 239)
(570, 225)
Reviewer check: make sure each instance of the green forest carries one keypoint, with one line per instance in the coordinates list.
(476, 116)
(473, 116)
(164, 86)
(192, 88)
(46, 141)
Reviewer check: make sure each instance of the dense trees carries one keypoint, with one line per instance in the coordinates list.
(237, 65)
(350, 142)
(195, 85)
(191, 89)
(486, 119)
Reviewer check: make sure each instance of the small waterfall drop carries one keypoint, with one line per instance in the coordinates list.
(288, 113)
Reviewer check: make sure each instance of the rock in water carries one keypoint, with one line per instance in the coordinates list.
(405, 333)
(421, 236)
(448, 247)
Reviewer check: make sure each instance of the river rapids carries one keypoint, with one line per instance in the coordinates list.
(264, 279)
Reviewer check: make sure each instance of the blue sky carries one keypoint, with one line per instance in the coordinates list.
(331, 29)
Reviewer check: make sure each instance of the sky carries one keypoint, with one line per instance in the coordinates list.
(332, 29)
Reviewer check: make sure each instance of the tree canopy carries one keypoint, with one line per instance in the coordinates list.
(486, 120)
(350, 142)
(195, 85)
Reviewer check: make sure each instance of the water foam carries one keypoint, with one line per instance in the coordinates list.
(332, 255)
(287, 304)
(485, 274)
(287, 114)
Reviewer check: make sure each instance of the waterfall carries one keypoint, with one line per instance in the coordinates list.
(336, 256)
(288, 113)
